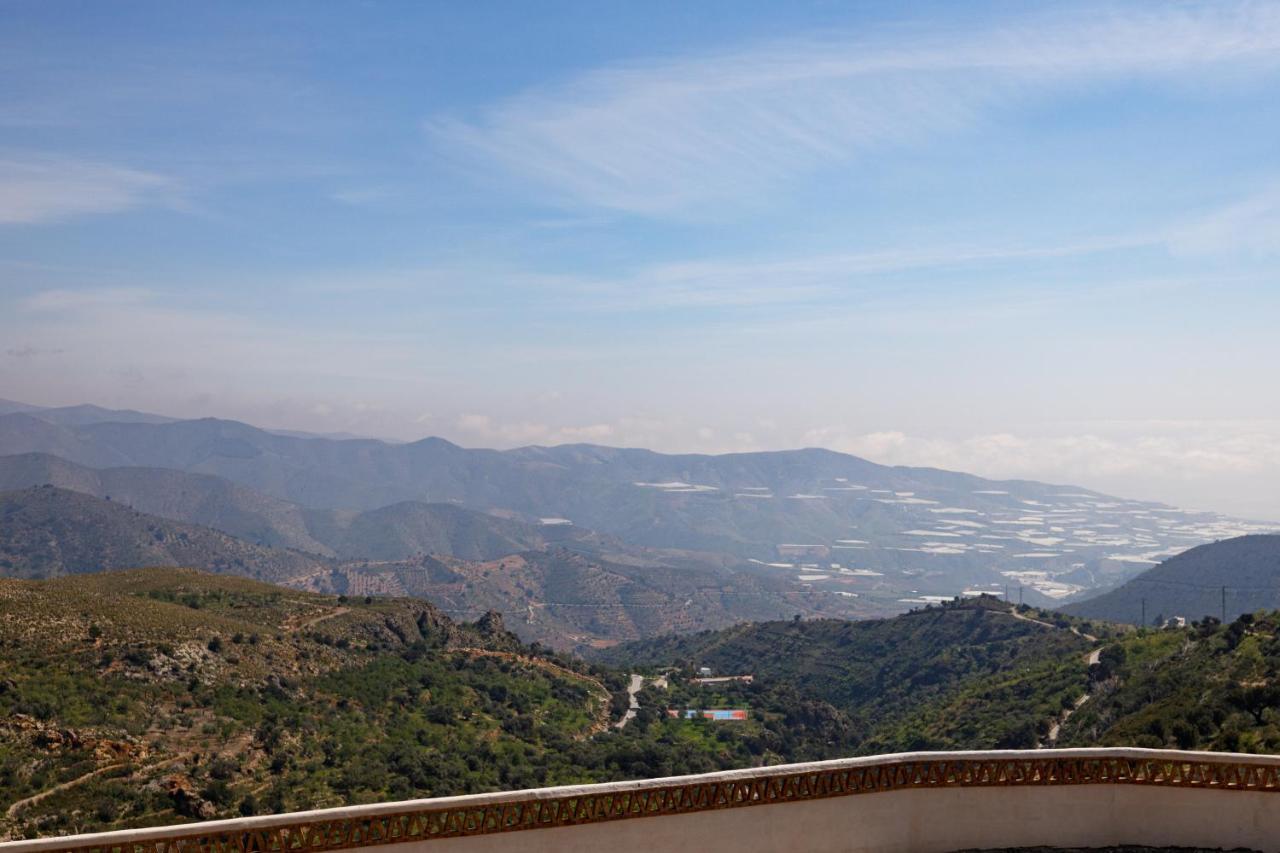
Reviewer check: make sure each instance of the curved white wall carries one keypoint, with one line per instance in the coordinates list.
(910, 802)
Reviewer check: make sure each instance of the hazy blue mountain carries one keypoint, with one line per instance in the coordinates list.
(9, 407)
(49, 532)
(561, 597)
(82, 414)
(86, 413)
(1192, 584)
(820, 518)
(21, 432)
(177, 495)
(393, 532)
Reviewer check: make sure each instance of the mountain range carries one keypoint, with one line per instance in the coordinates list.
(47, 532)
(881, 538)
(394, 532)
(570, 600)
(556, 596)
(1228, 578)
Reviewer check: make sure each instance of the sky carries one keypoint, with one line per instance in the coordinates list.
(1018, 239)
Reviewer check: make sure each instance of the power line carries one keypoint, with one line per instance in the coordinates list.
(1188, 584)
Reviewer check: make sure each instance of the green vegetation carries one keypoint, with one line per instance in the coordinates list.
(193, 695)
(167, 695)
(157, 696)
(1207, 686)
(964, 675)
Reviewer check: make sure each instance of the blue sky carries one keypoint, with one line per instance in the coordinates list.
(1022, 239)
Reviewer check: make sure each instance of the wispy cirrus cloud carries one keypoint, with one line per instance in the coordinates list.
(64, 300)
(1250, 226)
(672, 136)
(43, 189)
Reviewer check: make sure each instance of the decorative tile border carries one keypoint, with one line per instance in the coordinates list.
(344, 829)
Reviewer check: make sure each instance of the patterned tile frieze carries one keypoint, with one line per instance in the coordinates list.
(584, 807)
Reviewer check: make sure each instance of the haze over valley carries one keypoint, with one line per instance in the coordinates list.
(582, 545)
(568, 404)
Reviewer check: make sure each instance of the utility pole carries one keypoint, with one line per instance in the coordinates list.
(1006, 593)
(1019, 595)
(1143, 623)
(1224, 605)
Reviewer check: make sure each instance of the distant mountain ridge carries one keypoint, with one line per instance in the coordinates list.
(48, 532)
(81, 415)
(1241, 574)
(556, 596)
(394, 532)
(576, 601)
(891, 535)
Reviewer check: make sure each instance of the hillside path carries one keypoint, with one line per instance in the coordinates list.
(49, 792)
(316, 620)
(233, 747)
(1016, 615)
(1052, 737)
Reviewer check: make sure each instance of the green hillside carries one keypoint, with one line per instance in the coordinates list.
(1242, 573)
(158, 696)
(1207, 686)
(968, 674)
(172, 695)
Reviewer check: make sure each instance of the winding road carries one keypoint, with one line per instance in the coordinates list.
(637, 682)
(634, 687)
(1052, 737)
(1090, 659)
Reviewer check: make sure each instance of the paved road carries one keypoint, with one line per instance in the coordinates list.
(637, 682)
(1016, 615)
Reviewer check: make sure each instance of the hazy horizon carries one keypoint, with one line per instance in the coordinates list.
(1017, 240)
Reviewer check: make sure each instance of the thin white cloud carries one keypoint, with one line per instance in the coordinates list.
(50, 189)
(65, 300)
(1201, 464)
(671, 136)
(729, 281)
(1250, 226)
(476, 429)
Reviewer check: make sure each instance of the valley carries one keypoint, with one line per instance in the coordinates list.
(735, 427)
(766, 534)
(139, 697)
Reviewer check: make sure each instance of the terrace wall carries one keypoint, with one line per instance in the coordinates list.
(909, 802)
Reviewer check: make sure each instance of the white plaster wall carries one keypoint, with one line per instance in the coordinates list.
(923, 821)
(920, 820)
